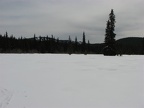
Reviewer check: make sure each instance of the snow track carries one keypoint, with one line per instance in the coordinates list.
(5, 97)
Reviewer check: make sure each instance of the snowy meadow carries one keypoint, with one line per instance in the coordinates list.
(71, 81)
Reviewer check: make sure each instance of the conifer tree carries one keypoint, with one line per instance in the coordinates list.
(88, 46)
(75, 39)
(70, 47)
(34, 37)
(6, 34)
(84, 38)
(83, 44)
(76, 45)
(69, 39)
(110, 35)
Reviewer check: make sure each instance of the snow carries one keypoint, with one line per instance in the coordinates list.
(71, 81)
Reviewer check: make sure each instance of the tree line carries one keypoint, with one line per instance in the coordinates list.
(48, 44)
(45, 44)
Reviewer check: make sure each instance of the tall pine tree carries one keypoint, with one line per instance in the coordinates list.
(84, 44)
(70, 46)
(110, 35)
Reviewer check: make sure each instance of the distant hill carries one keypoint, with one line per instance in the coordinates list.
(130, 45)
(131, 41)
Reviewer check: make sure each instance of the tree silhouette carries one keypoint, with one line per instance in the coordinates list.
(76, 45)
(70, 46)
(110, 36)
(83, 44)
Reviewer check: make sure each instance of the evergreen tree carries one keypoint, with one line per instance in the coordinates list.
(84, 44)
(34, 37)
(76, 45)
(75, 39)
(70, 47)
(69, 39)
(88, 46)
(6, 34)
(110, 35)
(7, 41)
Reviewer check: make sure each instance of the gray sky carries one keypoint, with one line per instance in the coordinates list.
(71, 17)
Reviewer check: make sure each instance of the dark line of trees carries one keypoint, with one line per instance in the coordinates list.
(45, 44)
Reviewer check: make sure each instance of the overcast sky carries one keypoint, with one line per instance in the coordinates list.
(71, 17)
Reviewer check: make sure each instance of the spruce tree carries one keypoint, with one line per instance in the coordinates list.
(70, 47)
(76, 45)
(6, 34)
(88, 47)
(110, 35)
(84, 38)
(83, 44)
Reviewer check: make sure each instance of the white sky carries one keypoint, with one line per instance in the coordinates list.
(71, 17)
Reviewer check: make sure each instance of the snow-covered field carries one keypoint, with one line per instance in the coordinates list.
(71, 81)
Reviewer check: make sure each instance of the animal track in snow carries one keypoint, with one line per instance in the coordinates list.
(5, 97)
